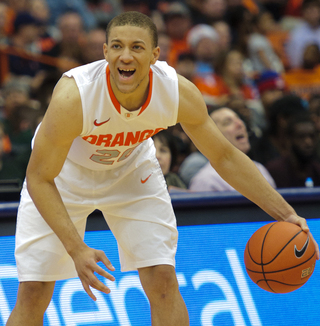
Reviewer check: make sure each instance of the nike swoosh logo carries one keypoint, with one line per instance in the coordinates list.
(146, 179)
(300, 253)
(98, 124)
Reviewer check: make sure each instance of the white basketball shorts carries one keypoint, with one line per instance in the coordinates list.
(134, 201)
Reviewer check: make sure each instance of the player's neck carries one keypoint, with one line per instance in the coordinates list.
(134, 100)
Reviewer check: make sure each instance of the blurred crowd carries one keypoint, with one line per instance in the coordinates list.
(256, 62)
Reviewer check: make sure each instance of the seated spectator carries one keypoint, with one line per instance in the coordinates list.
(307, 32)
(305, 80)
(234, 129)
(14, 93)
(300, 163)
(164, 43)
(93, 45)
(224, 32)
(11, 167)
(72, 38)
(177, 25)
(274, 141)
(231, 82)
(204, 45)
(186, 66)
(58, 8)
(166, 153)
(25, 40)
(277, 36)
(191, 166)
(271, 87)
(260, 50)
(104, 10)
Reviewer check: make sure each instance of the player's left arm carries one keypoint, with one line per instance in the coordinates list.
(234, 166)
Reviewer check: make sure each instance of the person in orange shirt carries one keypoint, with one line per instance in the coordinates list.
(305, 80)
(177, 23)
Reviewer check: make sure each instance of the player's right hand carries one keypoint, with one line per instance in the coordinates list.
(86, 260)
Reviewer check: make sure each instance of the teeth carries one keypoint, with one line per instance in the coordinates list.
(127, 69)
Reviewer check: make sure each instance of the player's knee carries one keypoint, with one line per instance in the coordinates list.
(159, 281)
(35, 293)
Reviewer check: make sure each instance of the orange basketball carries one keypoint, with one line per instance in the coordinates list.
(280, 257)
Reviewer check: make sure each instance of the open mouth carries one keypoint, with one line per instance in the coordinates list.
(126, 73)
(239, 137)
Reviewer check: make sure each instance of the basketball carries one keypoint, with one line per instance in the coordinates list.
(280, 257)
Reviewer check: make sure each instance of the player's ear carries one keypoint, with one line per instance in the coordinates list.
(155, 55)
(105, 50)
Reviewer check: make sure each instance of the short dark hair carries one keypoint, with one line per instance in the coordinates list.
(297, 118)
(134, 18)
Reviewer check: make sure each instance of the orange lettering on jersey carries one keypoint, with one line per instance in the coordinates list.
(118, 139)
(106, 139)
(121, 138)
(90, 139)
(145, 135)
(131, 138)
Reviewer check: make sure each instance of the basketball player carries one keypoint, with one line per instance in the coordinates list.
(93, 150)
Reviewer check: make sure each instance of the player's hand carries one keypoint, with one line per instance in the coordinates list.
(86, 260)
(303, 224)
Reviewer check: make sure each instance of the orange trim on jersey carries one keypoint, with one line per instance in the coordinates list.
(114, 100)
(144, 106)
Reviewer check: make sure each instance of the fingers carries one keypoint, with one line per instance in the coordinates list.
(303, 224)
(315, 245)
(87, 266)
(90, 280)
(103, 258)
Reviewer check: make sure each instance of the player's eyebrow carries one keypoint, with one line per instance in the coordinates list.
(116, 40)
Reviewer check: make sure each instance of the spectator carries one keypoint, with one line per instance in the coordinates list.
(234, 129)
(224, 33)
(104, 10)
(274, 141)
(260, 50)
(177, 23)
(277, 36)
(142, 6)
(300, 163)
(58, 8)
(271, 87)
(93, 45)
(164, 44)
(72, 38)
(25, 38)
(213, 10)
(14, 93)
(186, 65)
(167, 153)
(10, 167)
(48, 33)
(305, 80)
(204, 44)
(305, 33)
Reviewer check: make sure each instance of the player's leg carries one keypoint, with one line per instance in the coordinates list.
(161, 287)
(32, 301)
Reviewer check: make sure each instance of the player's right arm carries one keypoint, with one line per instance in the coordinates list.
(62, 123)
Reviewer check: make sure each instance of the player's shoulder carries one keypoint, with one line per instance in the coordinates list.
(162, 69)
(85, 74)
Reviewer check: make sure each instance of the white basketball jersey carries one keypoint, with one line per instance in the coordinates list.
(110, 132)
